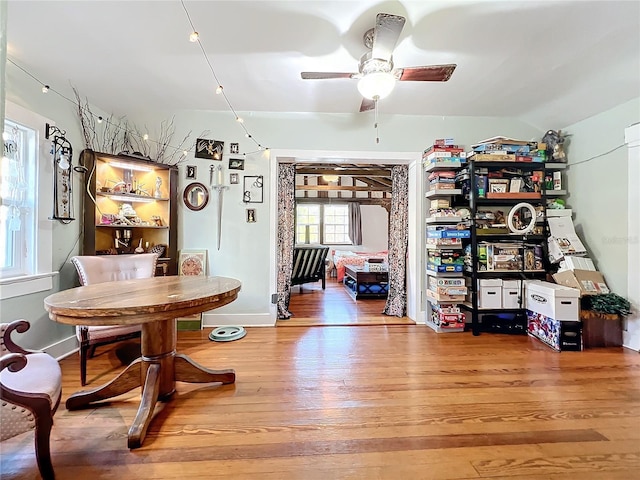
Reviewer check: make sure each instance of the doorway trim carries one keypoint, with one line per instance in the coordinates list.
(412, 159)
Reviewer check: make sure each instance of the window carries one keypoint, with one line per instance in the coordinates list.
(319, 223)
(25, 233)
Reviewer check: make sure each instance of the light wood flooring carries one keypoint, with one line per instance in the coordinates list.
(333, 306)
(381, 402)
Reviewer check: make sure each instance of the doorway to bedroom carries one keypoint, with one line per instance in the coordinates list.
(324, 186)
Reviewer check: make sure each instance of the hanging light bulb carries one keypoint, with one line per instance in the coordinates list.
(239, 120)
(185, 153)
(100, 119)
(219, 89)
(145, 136)
(194, 37)
(45, 88)
(63, 161)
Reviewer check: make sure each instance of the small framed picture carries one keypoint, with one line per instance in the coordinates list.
(192, 171)
(234, 178)
(252, 192)
(498, 185)
(234, 148)
(209, 149)
(236, 163)
(251, 215)
(193, 263)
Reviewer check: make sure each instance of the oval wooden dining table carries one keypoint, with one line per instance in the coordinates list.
(155, 303)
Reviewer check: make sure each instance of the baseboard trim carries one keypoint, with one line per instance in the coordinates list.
(63, 348)
(241, 319)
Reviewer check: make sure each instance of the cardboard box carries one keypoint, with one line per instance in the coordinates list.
(558, 334)
(557, 302)
(490, 293)
(511, 291)
(586, 281)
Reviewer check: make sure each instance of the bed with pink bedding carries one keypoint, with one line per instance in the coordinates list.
(346, 257)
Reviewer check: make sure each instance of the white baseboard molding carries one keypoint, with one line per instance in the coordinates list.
(240, 319)
(63, 348)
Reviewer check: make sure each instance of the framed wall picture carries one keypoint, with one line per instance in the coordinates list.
(209, 149)
(192, 171)
(251, 215)
(193, 263)
(498, 185)
(234, 148)
(236, 164)
(252, 192)
(234, 178)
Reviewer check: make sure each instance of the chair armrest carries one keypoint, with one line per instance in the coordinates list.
(14, 362)
(20, 326)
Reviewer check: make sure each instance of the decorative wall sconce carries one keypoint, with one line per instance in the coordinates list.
(62, 153)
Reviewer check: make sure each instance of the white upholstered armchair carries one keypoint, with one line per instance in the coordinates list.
(30, 391)
(107, 268)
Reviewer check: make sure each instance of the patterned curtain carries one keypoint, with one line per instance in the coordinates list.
(355, 223)
(398, 238)
(286, 235)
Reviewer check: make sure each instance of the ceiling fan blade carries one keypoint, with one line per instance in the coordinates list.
(367, 105)
(430, 73)
(325, 75)
(386, 34)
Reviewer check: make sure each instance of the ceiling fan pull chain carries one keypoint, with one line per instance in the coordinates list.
(375, 116)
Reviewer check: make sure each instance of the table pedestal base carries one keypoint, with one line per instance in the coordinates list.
(156, 371)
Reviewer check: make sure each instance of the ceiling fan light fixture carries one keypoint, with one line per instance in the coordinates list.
(376, 85)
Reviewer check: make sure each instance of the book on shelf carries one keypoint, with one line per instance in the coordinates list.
(502, 148)
(494, 157)
(443, 142)
(504, 140)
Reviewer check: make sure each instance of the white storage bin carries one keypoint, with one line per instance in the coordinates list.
(511, 293)
(490, 293)
(552, 300)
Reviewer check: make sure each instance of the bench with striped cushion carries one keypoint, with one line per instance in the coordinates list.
(309, 265)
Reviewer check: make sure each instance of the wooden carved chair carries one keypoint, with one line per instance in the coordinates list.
(30, 391)
(107, 268)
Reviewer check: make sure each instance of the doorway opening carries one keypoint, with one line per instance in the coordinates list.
(333, 305)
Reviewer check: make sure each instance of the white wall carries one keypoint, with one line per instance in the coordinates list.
(598, 189)
(631, 337)
(602, 193)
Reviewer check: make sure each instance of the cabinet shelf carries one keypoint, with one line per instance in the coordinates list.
(555, 166)
(430, 220)
(155, 227)
(508, 236)
(480, 173)
(439, 329)
(131, 197)
(555, 193)
(156, 211)
(506, 201)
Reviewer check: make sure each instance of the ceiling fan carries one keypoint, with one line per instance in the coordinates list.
(376, 74)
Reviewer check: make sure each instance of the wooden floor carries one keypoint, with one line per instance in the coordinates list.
(333, 306)
(380, 402)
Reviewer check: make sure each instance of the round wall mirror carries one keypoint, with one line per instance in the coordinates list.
(196, 196)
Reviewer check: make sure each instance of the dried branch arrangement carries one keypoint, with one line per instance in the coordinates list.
(118, 136)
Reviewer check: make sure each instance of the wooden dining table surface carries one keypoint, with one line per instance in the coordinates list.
(155, 303)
